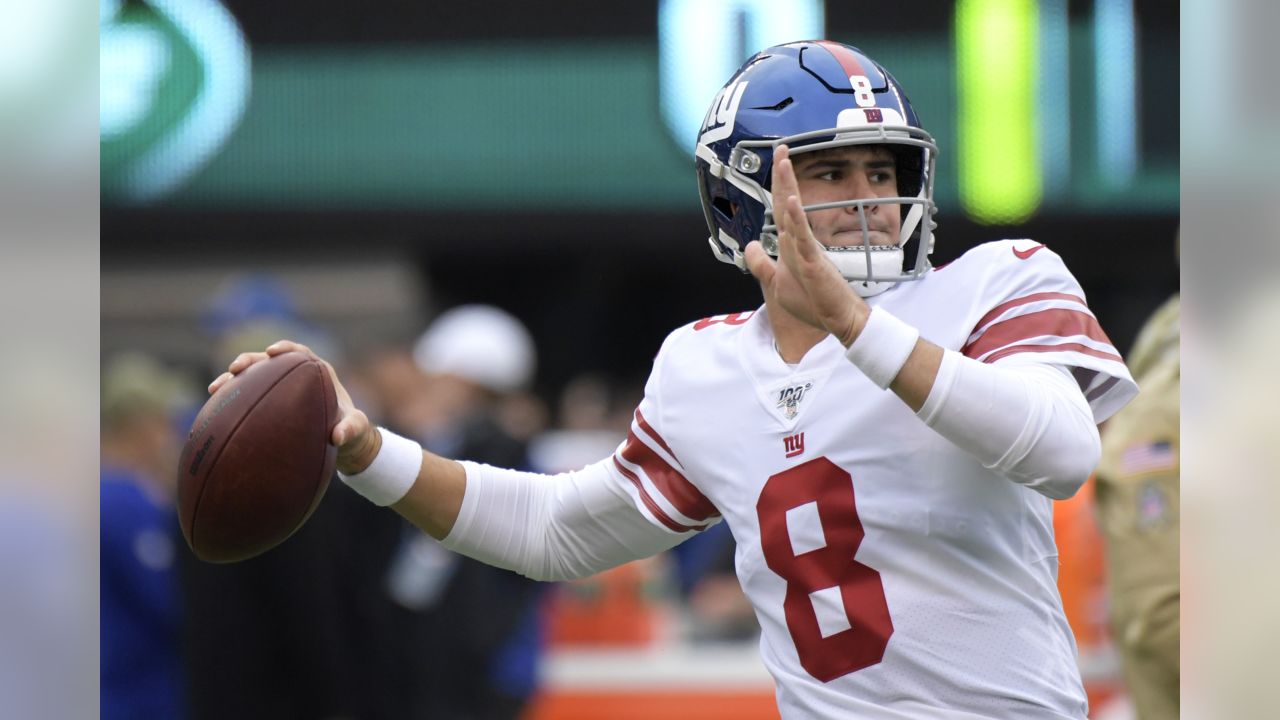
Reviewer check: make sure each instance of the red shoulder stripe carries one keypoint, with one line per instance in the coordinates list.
(1000, 309)
(1065, 347)
(677, 489)
(654, 508)
(1055, 321)
(648, 429)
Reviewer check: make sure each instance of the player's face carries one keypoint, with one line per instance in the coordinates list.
(850, 173)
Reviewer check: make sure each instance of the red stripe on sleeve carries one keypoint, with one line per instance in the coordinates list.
(1055, 321)
(1000, 309)
(681, 493)
(648, 429)
(654, 508)
(1065, 347)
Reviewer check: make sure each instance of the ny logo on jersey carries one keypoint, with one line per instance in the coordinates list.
(789, 399)
(794, 444)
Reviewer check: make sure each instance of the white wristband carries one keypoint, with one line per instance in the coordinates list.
(393, 470)
(883, 346)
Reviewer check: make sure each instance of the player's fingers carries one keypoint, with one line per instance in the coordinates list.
(759, 262)
(349, 427)
(344, 398)
(283, 346)
(784, 176)
(792, 240)
(219, 382)
(244, 360)
(341, 432)
(787, 249)
(806, 245)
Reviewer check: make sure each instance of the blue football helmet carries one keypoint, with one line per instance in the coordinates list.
(813, 96)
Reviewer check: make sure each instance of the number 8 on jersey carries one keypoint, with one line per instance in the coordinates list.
(835, 606)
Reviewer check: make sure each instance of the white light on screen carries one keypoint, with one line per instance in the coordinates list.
(702, 42)
(1115, 46)
(1055, 96)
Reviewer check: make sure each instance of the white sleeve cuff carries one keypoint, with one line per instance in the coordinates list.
(883, 346)
(393, 471)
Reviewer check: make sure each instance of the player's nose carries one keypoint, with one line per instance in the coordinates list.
(861, 193)
(858, 187)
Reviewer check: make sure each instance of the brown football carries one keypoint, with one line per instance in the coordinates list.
(258, 458)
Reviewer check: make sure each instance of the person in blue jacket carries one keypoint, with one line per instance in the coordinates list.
(141, 667)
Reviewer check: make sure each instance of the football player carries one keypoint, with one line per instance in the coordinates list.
(884, 438)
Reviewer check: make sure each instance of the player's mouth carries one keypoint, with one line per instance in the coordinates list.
(853, 238)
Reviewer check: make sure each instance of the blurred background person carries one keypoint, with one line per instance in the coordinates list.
(472, 633)
(1139, 514)
(141, 607)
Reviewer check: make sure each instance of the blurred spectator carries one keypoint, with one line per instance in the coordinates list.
(1138, 503)
(253, 311)
(718, 609)
(588, 427)
(140, 603)
(473, 631)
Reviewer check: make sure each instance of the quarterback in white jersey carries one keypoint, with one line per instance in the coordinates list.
(887, 566)
(883, 437)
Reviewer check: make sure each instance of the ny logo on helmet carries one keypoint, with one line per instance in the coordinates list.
(718, 124)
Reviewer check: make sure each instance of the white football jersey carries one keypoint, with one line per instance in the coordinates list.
(892, 574)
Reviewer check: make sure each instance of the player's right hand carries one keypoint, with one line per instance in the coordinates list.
(803, 280)
(354, 435)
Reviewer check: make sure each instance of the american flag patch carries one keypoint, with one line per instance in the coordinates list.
(1148, 457)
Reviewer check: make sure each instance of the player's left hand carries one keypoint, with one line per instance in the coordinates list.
(804, 282)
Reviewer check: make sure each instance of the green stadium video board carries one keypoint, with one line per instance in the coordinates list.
(566, 125)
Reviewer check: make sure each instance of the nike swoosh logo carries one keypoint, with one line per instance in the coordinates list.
(1024, 254)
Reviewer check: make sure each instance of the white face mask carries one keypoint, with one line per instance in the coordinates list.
(886, 262)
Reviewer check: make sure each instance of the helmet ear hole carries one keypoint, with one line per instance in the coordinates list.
(910, 169)
(723, 206)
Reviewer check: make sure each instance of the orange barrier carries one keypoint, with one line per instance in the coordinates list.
(1082, 582)
(1082, 575)
(611, 609)
(646, 705)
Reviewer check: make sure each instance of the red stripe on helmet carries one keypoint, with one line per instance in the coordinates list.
(846, 57)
